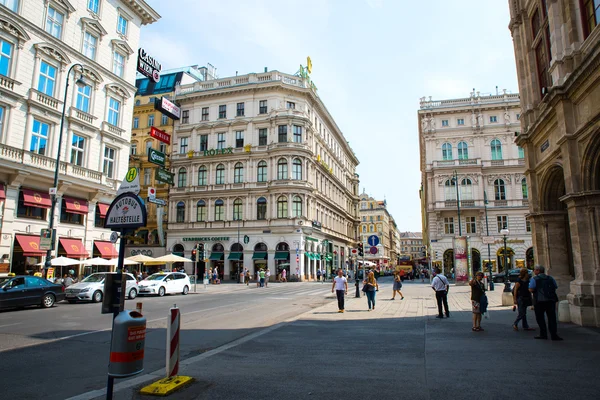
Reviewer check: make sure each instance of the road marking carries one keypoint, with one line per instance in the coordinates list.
(3, 326)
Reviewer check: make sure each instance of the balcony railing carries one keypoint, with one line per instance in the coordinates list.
(113, 130)
(43, 99)
(8, 83)
(456, 163)
(81, 115)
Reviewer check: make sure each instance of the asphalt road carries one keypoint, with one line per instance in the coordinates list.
(63, 351)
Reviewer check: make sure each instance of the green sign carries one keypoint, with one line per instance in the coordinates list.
(164, 176)
(216, 152)
(206, 239)
(156, 157)
(246, 239)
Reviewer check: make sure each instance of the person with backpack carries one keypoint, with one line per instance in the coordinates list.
(544, 288)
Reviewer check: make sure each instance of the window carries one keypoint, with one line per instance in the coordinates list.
(527, 225)
(261, 172)
(449, 225)
(282, 137)
(499, 190)
(524, 189)
(181, 211)
(148, 146)
(450, 190)
(238, 173)
(493, 119)
(150, 120)
(297, 169)
(122, 25)
(24, 211)
(541, 42)
(182, 177)
(54, 22)
(77, 150)
(446, 152)
(471, 224)
(239, 139)
(202, 176)
(185, 116)
(591, 15)
(12, 5)
(220, 175)
(291, 105)
(502, 221)
(463, 151)
(204, 113)
(133, 149)
(114, 107)
(94, 6)
(162, 147)
(47, 79)
(118, 63)
(297, 207)
(466, 189)
(164, 120)
(6, 51)
(183, 145)
(109, 162)
(262, 137)
(201, 211)
(221, 141)
(261, 208)
(521, 152)
(219, 210)
(460, 121)
(496, 149)
(297, 133)
(237, 210)
(39, 138)
(138, 102)
(262, 107)
(282, 169)
(69, 217)
(90, 42)
(240, 110)
(445, 122)
(136, 122)
(282, 210)
(518, 117)
(203, 142)
(83, 98)
(223, 111)
(147, 176)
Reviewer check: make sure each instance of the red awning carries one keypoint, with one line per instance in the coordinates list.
(103, 209)
(30, 245)
(34, 198)
(76, 206)
(2, 192)
(74, 248)
(106, 249)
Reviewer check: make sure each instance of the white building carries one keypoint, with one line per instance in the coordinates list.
(473, 139)
(40, 40)
(263, 177)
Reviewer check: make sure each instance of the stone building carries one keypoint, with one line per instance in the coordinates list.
(557, 50)
(411, 244)
(375, 219)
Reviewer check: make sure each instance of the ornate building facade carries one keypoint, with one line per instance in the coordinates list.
(375, 219)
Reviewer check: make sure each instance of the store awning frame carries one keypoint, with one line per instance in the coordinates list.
(216, 256)
(309, 255)
(259, 255)
(73, 247)
(35, 198)
(30, 245)
(282, 255)
(236, 256)
(106, 249)
(76, 206)
(103, 208)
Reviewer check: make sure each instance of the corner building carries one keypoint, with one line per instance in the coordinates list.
(264, 178)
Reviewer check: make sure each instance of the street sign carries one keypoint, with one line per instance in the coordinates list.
(160, 202)
(126, 211)
(164, 176)
(373, 240)
(373, 250)
(354, 251)
(160, 135)
(246, 239)
(156, 157)
(488, 239)
(151, 193)
(52, 191)
(114, 237)
(433, 240)
(131, 183)
(46, 239)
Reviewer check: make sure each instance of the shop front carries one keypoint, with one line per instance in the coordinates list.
(26, 254)
(72, 248)
(104, 250)
(282, 259)
(259, 258)
(236, 261)
(216, 259)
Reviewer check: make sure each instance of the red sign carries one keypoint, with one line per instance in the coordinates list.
(160, 135)
(354, 251)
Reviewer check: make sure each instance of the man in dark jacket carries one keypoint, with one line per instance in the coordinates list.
(544, 288)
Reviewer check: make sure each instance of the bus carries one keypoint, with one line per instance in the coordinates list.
(405, 262)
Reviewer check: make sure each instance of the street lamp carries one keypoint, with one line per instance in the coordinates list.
(505, 233)
(455, 179)
(78, 82)
(487, 228)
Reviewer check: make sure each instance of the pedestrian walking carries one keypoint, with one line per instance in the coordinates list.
(340, 285)
(440, 286)
(370, 287)
(319, 275)
(261, 276)
(522, 300)
(478, 300)
(257, 278)
(284, 275)
(397, 286)
(247, 277)
(267, 277)
(544, 288)
(67, 280)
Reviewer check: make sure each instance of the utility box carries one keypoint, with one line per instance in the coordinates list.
(114, 287)
(127, 348)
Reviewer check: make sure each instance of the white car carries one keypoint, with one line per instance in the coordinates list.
(165, 283)
(92, 288)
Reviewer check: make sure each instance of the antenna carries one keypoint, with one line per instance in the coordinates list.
(496, 90)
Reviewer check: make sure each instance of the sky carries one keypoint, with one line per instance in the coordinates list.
(372, 62)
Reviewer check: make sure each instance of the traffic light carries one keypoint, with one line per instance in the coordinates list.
(194, 254)
(201, 249)
(360, 250)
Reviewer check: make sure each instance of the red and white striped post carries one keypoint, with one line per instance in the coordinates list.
(173, 342)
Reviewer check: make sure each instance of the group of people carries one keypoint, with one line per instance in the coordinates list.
(370, 288)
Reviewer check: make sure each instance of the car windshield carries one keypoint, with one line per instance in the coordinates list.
(3, 280)
(156, 277)
(94, 278)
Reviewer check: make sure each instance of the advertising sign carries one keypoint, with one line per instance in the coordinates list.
(50, 274)
(156, 157)
(160, 135)
(46, 239)
(126, 211)
(168, 108)
(148, 66)
(131, 183)
(151, 193)
(164, 176)
(461, 259)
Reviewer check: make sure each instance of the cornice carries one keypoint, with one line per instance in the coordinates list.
(140, 8)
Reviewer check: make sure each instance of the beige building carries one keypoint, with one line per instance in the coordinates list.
(411, 244)
(557, 49)
(375, 219)
(467, 153)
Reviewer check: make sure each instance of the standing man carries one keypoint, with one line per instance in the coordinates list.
(544, 288)
(440, 286)
(340, 284)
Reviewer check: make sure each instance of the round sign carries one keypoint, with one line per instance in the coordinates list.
(113, 237)
(151, 191)
(373, 250)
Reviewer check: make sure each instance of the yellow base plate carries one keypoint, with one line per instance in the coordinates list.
(166, 386)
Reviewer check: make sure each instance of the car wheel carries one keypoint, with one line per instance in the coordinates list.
(185, 290)
(161, 291)
(97, 296)
(72, 301)
(48, 300)
(132, 294)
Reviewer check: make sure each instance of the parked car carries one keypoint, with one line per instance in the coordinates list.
(513, 275)
(91, 288)
(165, 283)
(25, 290)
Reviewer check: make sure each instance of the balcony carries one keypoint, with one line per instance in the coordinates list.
(81, 116)
(113, 130)
(43, 100)
(7, 83)
(457, 163)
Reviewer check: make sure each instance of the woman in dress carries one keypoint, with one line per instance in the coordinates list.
(477, 294)
(370, 286)
(522, 300)
(397, 286)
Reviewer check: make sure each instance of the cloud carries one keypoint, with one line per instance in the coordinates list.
(375, 3)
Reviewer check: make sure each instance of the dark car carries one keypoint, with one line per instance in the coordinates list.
(513, 275)
(25, 290)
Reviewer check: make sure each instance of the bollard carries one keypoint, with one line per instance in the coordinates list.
(138, 307)
(173, 341)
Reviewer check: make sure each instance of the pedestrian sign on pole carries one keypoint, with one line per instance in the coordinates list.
(131, 183)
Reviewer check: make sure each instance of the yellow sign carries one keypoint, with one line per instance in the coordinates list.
(131, 174)
(309, 64)
(248, 148)
(190, 154)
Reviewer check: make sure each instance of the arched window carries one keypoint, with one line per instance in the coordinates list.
(372, 228)
(238, 173)
(261, 172)
(521, 152)
(446, 151)
(202, 176)
(261, 208)
(181, 211)
(496, 149)
(148, 146)
(282, 169)
(463, 151)
(220, 175)
(524, 189)
(219, 210)
(237, 210)
(297, 206)
(282, 207)
(450, 190)
(364, 229)
(201, 211)
(466, 189)
(297, 169)
(182, 177)
(499, 190)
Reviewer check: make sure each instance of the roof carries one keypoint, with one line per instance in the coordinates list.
(411, 235)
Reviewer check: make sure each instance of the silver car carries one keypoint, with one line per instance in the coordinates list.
(92, 288)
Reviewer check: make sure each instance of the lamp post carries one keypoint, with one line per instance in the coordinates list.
(487, 228)
(238, 241)
(505, 233)
(79, 81)
(455, 179)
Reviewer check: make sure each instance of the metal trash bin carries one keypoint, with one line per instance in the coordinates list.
(127, 350)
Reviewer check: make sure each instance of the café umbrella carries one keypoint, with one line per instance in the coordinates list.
(141, 259)
(96, 261)
(61, 262)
